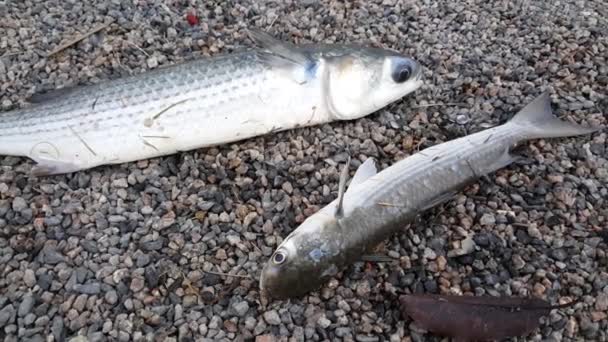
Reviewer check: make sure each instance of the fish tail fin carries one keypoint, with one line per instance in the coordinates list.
(538, 121)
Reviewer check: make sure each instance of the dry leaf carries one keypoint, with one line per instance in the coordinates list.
(476, 318)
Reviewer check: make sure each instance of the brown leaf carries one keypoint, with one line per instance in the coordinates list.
(476, 318)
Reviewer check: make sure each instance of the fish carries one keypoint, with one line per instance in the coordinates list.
(274, 86)
(377, 205)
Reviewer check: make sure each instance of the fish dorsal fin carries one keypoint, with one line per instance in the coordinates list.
(279, 48)
(363, 173)
(341, 190)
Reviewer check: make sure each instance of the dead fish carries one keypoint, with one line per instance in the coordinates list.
(273, 87)
(377, 205)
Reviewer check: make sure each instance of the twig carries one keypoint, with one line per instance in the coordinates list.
(82, 140)
(228, 274)
(386, 204)
(10, 54)
(78, 39)
(169, 107)
(440, 104)
(273, 21)
(137, 47)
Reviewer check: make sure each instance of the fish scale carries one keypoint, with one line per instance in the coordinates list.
(274, 87)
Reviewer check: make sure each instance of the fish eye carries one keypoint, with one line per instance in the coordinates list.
(402, 74)
(279, 257)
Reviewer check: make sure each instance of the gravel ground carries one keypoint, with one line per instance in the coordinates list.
(129, 252)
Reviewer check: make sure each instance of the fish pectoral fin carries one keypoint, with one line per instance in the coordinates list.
(504, 160)
(49, 167)
(342, 189)
(363, 173)
(376, 258)
(279, 48)
(438, 200)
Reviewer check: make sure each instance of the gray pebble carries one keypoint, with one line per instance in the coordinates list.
(90, 289)
(272, 317)
(27, 303)
(19, 204)
(29, 278)
(240, 308)
(111, 297)
(323, 322)
(487, 219)
(7, 315)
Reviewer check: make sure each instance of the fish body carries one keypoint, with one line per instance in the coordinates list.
(377, 205)
(206, 102)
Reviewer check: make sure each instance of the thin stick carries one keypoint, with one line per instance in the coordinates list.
(440, 104)
(137, 47)
(78, 39)
(9, 54)
(228, 274)
(169, 107)
(82, 140)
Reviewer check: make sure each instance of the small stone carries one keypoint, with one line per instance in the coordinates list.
(27, 303)
(137, 284)
(7, 315)
(534, 232)
(240, 308)
(601, 302)
(363, 289)
(42, 321)
(559, 254)
(90, 289)
(89, 246)
(29, 319)
(120, 183)
(51, 256)
(19, 204)
(429, 254)
(29, 278)
(518, 262)
(487, 219)
(80, 302)
(323, 322)
(152, 62)
(441, 263)
(265, 338)
(57, 329)
(190, 300)
(272, 317)
(111, 297)
(287, 187)
(598, 316)
(221, 254)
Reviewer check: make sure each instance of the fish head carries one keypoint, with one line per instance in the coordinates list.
(368, 79)
(307, 258)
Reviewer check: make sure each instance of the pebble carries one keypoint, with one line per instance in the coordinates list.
(240, 308)
(111, 297)
(487, 219)
(323, 322)
(91, 289)
(29, 278)
(7, 315)
(26, 306)
(272, 317)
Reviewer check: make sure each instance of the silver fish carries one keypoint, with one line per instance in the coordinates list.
(377, 205)
(274, 87)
